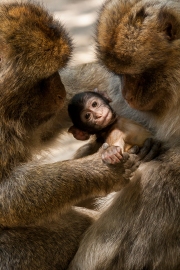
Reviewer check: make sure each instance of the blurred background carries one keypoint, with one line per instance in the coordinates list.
(79, 17)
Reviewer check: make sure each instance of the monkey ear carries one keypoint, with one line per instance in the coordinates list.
(169, 24)
(79, 134)
(103, 94)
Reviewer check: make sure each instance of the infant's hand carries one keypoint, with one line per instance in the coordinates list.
(111, 154)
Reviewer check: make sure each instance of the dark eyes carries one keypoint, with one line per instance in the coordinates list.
(94, 104)
(87, 116)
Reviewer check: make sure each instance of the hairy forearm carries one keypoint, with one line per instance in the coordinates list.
(37, 190)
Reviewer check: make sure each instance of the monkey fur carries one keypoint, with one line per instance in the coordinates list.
(139, 41)
(38, 227)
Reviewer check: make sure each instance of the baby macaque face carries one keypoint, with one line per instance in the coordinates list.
(97, 113)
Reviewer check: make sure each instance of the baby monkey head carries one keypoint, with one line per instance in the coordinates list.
(91, 112)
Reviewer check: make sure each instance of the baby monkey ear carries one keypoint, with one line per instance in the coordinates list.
(104, 94)
(79, 134)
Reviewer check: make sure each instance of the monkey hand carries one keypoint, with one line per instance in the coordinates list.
(150, 150)
(111, 154)
(116, 174)
(131, 164)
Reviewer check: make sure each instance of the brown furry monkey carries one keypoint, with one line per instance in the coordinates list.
(92, 114)
(139, 41)
(38, 229)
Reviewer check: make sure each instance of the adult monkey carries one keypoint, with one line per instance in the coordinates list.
(36, 229)
(140, 39)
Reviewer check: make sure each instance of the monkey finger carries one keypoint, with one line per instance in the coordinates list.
(146, 148)
(114, 159)
(125, 156)
(154, 151)
(111, 158)
(118, 155)
(134, 150)
(150, 149)
(107, 159)
(107, 153)
(112, 155)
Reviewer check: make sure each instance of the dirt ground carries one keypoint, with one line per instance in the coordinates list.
(79, 18)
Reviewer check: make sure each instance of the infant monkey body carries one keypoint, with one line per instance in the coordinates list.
(92, 114)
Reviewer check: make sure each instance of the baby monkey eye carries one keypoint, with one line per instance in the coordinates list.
(87, 116)
(94, 104)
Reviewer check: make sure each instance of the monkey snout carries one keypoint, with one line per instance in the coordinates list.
(98, 116)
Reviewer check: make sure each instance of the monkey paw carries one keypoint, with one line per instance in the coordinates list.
(111, 154)
(131, 164)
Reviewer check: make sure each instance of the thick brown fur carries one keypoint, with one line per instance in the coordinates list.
(38, 228)
(139, 41)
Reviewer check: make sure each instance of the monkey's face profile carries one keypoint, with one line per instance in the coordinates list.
(97, 114)
(141, 40)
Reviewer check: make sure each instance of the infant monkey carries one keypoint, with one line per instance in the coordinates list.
(91, 114)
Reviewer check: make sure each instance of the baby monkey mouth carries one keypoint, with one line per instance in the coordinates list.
(107, 120)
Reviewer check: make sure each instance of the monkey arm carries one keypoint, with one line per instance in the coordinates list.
(34, 191)
(116, 137)
(127, 133)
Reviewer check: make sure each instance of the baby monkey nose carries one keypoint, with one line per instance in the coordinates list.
(97, 115)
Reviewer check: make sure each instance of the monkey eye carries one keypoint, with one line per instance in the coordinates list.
(94, 104)
(87, 116)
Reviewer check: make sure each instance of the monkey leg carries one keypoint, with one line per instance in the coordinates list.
(49, 246)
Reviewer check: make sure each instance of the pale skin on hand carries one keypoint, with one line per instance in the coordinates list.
(112, 154)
